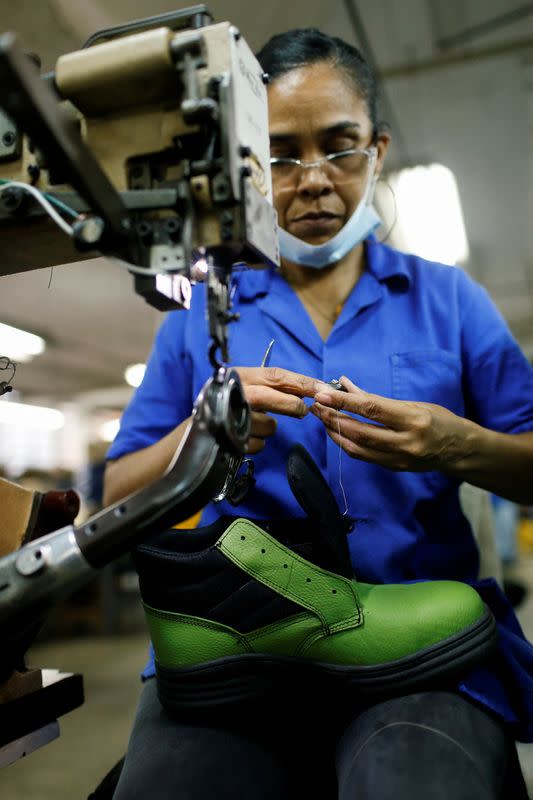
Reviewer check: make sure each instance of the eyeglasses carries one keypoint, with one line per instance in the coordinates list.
(344, 166)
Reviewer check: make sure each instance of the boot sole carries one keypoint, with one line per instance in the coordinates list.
(254, 678)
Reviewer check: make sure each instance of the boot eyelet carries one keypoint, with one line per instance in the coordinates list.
(333, 591)
(308, 580)
(243, 538)
(263, 550)
(285, 566)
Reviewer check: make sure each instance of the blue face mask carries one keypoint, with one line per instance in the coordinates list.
(361, 224)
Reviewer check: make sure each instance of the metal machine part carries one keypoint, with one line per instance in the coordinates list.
(155, 135)
(157, 173)
(40, 573)
(337, 385)
(10, 139)
(240, 474)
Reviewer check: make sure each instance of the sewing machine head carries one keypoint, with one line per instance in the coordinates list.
(151, 145)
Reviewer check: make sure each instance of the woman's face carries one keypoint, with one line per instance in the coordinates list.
(314, 111)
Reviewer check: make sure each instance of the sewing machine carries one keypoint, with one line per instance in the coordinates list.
(150, 146)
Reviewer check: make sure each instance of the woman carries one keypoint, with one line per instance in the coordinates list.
(424, 350)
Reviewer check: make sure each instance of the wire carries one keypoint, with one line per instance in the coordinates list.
(60, 204)
(42, 200)
(54, 200)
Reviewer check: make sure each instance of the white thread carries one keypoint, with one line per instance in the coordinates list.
(39, 196)
(345, 512)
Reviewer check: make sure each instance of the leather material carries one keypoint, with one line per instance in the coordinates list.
(332, 598)
(184, 571)
(340, 621)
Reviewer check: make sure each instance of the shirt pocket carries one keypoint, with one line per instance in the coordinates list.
(428, 376)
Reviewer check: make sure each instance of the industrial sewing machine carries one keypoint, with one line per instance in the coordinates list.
(150, 146)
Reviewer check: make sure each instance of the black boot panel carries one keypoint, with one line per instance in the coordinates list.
(183, 572)
(253, 606)
(298, 530)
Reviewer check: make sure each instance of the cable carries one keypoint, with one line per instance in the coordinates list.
(50, 197)
(42, 200)
(60, 204)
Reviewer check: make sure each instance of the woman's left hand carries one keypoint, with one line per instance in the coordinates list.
(400, 435)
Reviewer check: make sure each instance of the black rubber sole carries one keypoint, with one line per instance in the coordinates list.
(257, 678)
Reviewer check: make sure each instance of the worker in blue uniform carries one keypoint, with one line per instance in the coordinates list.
(436, 392)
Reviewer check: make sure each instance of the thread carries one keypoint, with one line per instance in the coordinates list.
(345, 512)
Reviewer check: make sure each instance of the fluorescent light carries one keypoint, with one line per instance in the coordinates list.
(40, 417)
(134, 374)
(430, 220)
(19, 345)
(109, 429)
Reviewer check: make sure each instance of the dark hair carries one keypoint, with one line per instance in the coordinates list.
(303, 46)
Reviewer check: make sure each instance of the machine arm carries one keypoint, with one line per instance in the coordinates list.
(39, 574)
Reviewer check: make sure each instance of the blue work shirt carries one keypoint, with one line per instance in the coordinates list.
(410, 330)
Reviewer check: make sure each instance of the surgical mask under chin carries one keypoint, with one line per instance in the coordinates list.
(361, 224)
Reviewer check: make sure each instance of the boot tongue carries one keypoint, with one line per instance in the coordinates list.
(329, 527)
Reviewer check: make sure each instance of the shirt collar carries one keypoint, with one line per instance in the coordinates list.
(252, 283)
(384, 263)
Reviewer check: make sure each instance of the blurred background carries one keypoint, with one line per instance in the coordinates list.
(457, 92)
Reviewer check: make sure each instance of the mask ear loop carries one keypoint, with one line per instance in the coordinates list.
(395, 205)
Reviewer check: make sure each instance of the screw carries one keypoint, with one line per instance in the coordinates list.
(8, 138)
(11, 198)
(144, 228)
(172, 226)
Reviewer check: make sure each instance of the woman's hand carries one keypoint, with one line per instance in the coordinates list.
(272, 390)
(400, 435)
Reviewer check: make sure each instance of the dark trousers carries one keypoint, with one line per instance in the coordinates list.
(435, 745)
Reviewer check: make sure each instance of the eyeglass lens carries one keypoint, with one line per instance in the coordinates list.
(341, 167)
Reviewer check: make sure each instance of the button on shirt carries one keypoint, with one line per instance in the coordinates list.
(410, 330)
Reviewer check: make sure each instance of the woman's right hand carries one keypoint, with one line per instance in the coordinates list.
(269, 390)
(272, 390)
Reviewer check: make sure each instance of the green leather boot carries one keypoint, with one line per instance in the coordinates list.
(237, 614)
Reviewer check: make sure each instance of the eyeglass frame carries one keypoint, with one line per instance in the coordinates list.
(371, 152)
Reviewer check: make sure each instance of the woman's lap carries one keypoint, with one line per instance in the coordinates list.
(433, 744)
